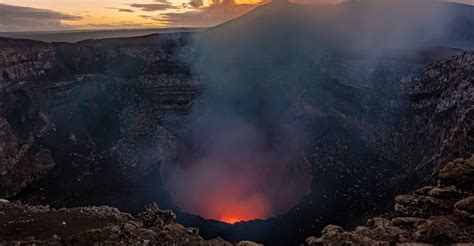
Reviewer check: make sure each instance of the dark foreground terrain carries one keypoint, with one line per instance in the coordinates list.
(33, 225)
(102, 122)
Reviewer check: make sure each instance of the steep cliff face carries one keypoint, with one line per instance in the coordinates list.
(20, 166)
(442, 98)
(18, 65)
(81, 107)
(441, 101)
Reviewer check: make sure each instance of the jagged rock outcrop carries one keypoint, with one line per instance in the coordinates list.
(19, 164)
(459, 173)
(18, 65)
(437, 215)
(442, 97)
(26, 225)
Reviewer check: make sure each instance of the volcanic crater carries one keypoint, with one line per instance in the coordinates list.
(258, 129)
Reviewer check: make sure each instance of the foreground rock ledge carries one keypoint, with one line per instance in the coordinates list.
(438, 215)
(27, 225)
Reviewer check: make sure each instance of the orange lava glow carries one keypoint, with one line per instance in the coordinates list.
(230, 220)
(232, 210)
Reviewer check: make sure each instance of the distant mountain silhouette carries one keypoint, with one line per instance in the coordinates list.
(362, 28)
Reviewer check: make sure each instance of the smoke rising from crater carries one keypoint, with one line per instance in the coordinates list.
(244, 155)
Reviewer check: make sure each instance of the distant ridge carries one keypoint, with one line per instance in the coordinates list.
(72, 36)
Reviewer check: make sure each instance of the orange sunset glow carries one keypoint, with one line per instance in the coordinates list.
(54, 15)
(51, 15)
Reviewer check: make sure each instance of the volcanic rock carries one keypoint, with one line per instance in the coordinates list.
(466, 205)
(19, 164)
(154, 217)
(460, 173)
(444, 219)
(75, 109)
(25, 224)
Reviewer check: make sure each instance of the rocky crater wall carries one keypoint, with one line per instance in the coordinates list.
(72, 114)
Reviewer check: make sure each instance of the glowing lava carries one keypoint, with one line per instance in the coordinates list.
(230, 220)
(238, 207)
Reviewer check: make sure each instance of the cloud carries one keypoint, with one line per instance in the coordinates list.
(471, 2)
(196, 3)
(126, 10)
(151, 7)
(119, 25)
(17, 18)
(122, 10)
(411, 1)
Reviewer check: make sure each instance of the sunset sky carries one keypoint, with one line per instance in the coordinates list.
(50, 15)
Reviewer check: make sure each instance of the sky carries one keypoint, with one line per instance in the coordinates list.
(53, 15)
